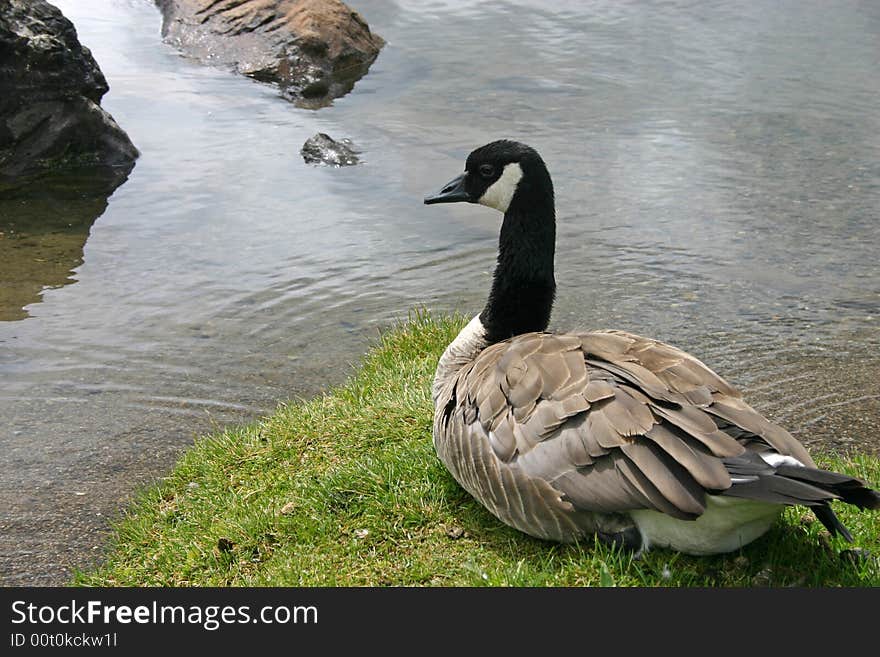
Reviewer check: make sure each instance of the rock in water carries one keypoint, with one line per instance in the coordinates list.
(323, 149)
(50, 93)
(315, 50)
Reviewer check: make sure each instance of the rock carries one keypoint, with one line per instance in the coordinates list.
(50, 93)
(763, 577)
(454, 533)
(315, 50)
(323, 149)
(741, 562)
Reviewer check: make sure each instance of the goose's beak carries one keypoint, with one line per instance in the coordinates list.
(452, 192)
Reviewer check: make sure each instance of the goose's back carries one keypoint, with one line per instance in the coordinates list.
(558, 434)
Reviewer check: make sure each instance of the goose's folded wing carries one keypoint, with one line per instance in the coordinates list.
(686, 381)
(611, 420)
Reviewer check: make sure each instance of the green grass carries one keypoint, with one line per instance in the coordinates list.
(345, 489)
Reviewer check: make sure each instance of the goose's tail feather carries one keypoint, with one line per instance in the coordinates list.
(756, 477)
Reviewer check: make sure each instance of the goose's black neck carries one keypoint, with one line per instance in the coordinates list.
(523, 286)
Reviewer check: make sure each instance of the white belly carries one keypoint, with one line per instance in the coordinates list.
(727, 524)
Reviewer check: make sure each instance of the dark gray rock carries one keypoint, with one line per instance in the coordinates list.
(50, 93)
(315, 50)
(323, 149)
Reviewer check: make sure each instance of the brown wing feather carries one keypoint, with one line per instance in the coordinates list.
(610, 420)
(667, 476)
(709, 472)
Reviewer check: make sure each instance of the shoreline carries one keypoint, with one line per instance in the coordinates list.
(345, 489)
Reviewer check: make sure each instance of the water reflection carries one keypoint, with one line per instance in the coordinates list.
(44, 225)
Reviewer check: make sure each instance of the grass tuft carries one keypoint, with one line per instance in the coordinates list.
(345, 489)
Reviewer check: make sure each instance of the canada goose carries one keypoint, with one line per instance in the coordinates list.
(608, 433)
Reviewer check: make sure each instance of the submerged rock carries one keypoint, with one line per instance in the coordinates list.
(50, 93)
(323, 149)
(315, 50)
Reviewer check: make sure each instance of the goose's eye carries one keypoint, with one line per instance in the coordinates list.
(487, 170)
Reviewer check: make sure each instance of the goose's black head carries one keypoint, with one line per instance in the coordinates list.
(511, 177)
(499, 175)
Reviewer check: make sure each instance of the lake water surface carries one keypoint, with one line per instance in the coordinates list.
(717, 172)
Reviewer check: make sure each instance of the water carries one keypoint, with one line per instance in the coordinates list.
(717, 180)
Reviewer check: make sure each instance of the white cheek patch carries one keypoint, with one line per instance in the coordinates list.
(501, 192)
